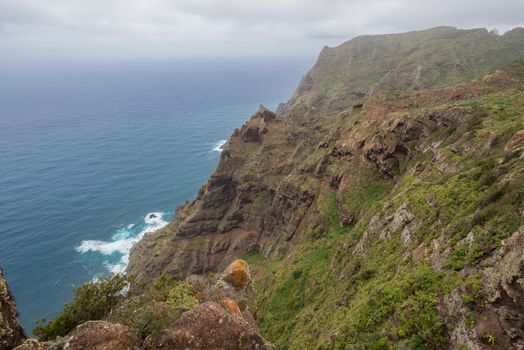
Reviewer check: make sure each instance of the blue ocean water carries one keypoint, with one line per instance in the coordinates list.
(89, 150)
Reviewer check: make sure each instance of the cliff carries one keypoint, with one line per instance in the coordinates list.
(11, 333)
(378, 204)
(260, 196)
(381, 207)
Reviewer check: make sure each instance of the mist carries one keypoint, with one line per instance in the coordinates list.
(35, 30)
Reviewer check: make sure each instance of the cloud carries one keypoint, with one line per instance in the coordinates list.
(172, 28)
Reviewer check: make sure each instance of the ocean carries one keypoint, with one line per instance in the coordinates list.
(89, 150)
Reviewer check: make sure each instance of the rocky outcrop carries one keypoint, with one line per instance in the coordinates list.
(101, 335)
(504, 291)
(11, 333)
(499, 318)
(383, 227)
(31, 344)
(229, 217)
(219, 319)
(392, 143)
(207, 327)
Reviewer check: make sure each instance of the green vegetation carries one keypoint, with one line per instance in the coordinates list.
(254, 258)
(181, 297)
(91, 301)
(326, 297)
(489, 338)
(367, 190)
(435, 57)
(146, 308)
(385, 228)
(153, 307)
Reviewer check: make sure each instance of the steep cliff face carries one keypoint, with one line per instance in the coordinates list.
(382, 207)
(230, 214)
(261, 195)
(11, 333)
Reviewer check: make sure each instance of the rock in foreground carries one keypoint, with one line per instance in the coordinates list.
(101, 335)
(207, 327)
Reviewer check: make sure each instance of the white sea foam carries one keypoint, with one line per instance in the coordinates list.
(154, 218)
(219, 146)
(122, 242)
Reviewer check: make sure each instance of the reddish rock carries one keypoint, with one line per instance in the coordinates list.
(207, 327)
(231, 305)
(101, 335)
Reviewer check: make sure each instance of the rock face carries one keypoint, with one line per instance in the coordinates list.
(227, 219)
(504, 281)
(101, 335)
(207, 327)
(11, 333)
(262, 193)
(502, 314)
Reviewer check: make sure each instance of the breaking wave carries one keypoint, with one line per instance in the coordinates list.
(219, 146)
(116, 251)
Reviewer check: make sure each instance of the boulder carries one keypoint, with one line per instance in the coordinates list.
(102, 335)
(237, 274)
(208, 326)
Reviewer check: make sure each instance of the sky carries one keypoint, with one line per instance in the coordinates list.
(115, 29)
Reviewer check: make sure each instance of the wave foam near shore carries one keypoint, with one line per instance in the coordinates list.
(122, 241)
(219, 146)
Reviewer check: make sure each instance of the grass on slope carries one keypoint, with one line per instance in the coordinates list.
(324, 297)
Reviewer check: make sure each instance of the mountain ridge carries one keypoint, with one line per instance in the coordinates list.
(393, 62)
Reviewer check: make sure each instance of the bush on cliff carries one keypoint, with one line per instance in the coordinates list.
(181, 298)
(154, 306)
(91, 301)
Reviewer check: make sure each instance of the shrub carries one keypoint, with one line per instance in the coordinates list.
(91, 301)
(489, 339)
(144, 315)
(181, 297)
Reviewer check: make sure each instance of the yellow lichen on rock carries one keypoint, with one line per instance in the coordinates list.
(237, 274)
(231, 305)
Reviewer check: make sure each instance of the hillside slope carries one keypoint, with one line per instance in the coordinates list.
(429, 58)
(423, 194)
(379, 210)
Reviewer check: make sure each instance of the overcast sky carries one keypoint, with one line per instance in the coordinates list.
(225, 28)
